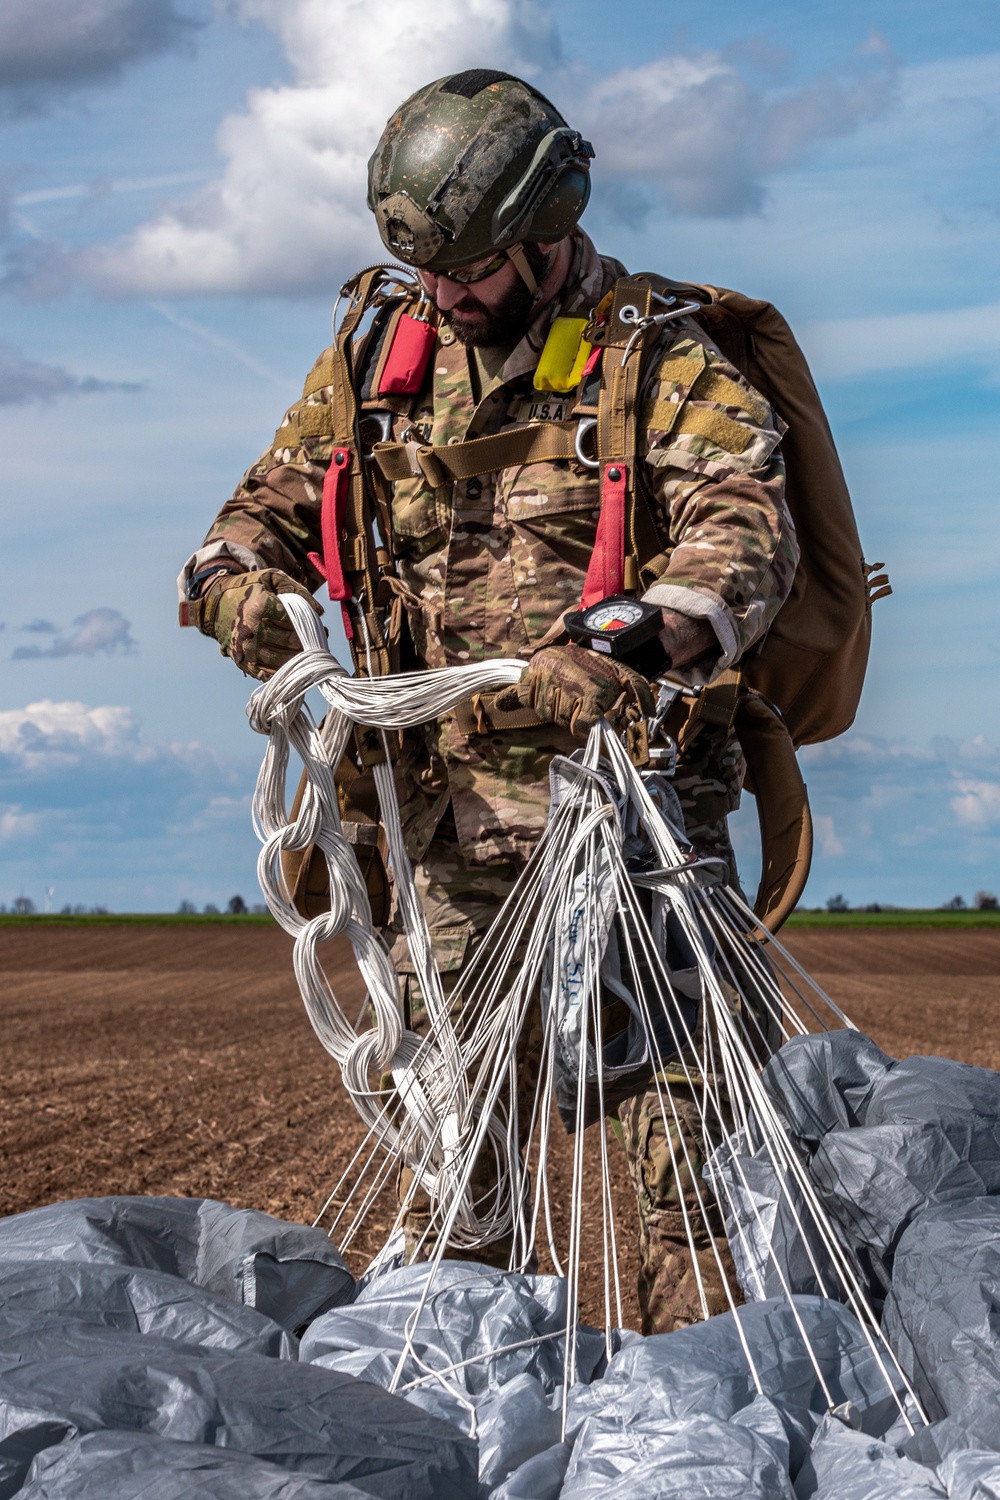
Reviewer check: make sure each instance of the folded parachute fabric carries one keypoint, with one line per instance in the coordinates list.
(41, 1299)
(886, 1140)
(136, 1466)
(702, 1369)
(941, 1314)
(477, 1325)
(845, 1465)
(652, 1459)
(146, 1344)
(306, 1420)
(289, 1272)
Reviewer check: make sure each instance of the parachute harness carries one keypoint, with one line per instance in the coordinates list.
(613, 905)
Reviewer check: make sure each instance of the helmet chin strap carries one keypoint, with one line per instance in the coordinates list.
(519, 260)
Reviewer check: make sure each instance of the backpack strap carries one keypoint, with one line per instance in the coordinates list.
(786, 833)
(773, 776)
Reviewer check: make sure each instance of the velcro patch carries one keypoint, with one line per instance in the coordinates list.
(303, 422)
(711, 386)
(320, 375)
(682, 369)
(660, 416)
(728, 435)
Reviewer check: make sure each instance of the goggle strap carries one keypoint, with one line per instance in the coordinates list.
(520, 262)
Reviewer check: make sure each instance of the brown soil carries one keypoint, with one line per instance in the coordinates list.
(179, 1061)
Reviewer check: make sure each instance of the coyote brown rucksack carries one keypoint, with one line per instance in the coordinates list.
(812, 662)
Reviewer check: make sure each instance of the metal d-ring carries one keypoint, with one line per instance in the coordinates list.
(629, 313)
(585, 425)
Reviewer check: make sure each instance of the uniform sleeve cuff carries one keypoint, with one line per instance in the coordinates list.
(699, 606)
(220, 552)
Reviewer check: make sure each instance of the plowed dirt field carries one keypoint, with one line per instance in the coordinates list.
(179, 1060)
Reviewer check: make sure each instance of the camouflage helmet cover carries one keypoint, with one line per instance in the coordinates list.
(474, 163)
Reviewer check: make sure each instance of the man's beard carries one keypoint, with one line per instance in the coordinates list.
(476, 327)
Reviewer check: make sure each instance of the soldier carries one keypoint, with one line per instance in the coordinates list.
(479, 183)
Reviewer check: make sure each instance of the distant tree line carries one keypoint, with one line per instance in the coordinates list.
(23, 906)
(235, 906)
(981, 901)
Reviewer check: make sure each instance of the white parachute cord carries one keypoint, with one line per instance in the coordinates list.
(423, 1078)
(741, 1074)
(449, 1119)
(733, 1057)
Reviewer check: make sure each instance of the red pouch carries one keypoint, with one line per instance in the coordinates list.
(406, 363)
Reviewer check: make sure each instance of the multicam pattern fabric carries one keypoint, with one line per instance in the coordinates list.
(666, 1152)
(712, 442)
(487, 566)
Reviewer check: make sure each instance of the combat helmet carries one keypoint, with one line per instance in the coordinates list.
(473, 164)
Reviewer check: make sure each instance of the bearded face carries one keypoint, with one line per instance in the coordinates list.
(504, 323)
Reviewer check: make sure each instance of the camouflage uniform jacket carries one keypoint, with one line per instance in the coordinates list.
(489, 565)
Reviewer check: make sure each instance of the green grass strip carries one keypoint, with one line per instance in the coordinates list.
(830, 919)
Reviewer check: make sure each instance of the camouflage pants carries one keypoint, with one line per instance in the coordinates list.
(666, 1149)
(461, 902)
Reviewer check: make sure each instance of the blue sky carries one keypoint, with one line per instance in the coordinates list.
(181, 193)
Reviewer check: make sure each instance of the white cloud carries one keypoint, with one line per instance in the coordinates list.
(47, 45)
(288, 214)
(23, 380)
(977, 803)
(45, 737)
(290, 206)
(103, 188)
(849, 347)
(695, 130)
(15, 823)
(826, 836)
(903, 821)
(104, 629)
(89, 804)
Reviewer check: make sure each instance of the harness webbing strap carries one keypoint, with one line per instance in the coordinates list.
(606, 569)
(536, 442)
(480, 715)
(617, 445)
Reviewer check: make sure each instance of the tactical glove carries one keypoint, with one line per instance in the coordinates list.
(245, 615)
(573, 687)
